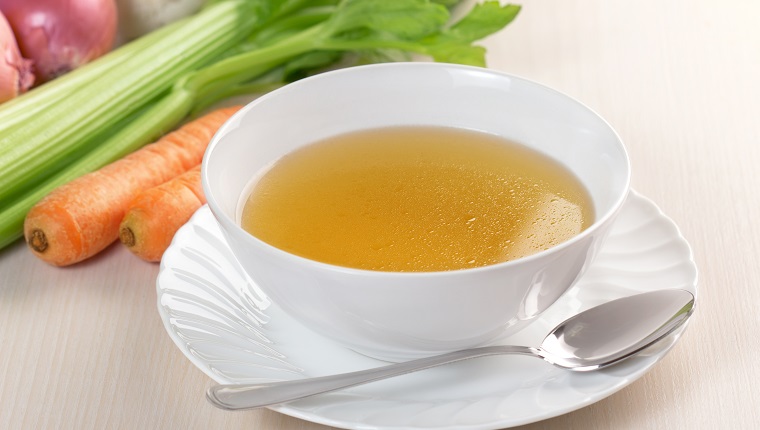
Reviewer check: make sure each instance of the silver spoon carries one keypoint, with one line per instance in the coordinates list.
(593, 339)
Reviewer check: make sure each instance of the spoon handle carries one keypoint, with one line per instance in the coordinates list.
(250, 396)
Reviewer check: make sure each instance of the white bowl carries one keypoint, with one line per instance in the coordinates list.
(397, 316)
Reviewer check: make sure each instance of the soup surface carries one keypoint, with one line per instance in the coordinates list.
(416, 199)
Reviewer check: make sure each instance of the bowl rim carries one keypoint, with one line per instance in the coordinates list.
(228, 223)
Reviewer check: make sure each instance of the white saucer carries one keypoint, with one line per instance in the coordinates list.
(228, 328)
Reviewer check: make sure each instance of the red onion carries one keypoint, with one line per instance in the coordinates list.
(61, 35)
(15, 71)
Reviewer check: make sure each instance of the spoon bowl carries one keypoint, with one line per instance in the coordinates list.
(593, 339)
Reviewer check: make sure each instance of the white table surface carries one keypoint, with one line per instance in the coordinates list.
(83, 347)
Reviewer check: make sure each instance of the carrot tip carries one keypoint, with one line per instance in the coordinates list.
(127, 236)
(37, 240)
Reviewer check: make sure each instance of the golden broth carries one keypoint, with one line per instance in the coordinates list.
(416, 199)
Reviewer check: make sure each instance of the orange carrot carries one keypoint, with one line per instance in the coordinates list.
(155, 215)
(79, 219)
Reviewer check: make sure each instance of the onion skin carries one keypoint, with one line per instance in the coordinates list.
(15, 71)
(61, 35)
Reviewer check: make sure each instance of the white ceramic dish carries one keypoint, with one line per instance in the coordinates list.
(231, 331)
(398, 316)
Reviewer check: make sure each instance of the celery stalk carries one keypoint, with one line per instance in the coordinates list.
(21, 109)
(29, 155)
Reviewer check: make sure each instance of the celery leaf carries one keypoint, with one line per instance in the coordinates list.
(402, 19)
(454, 44)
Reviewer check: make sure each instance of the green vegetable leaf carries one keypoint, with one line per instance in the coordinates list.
(448, 3)
(483, 20)
(306, 64)
(459, 54)
(454, 44)
(403, 19)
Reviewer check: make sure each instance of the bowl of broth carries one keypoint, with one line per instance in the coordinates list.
(410, 209)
